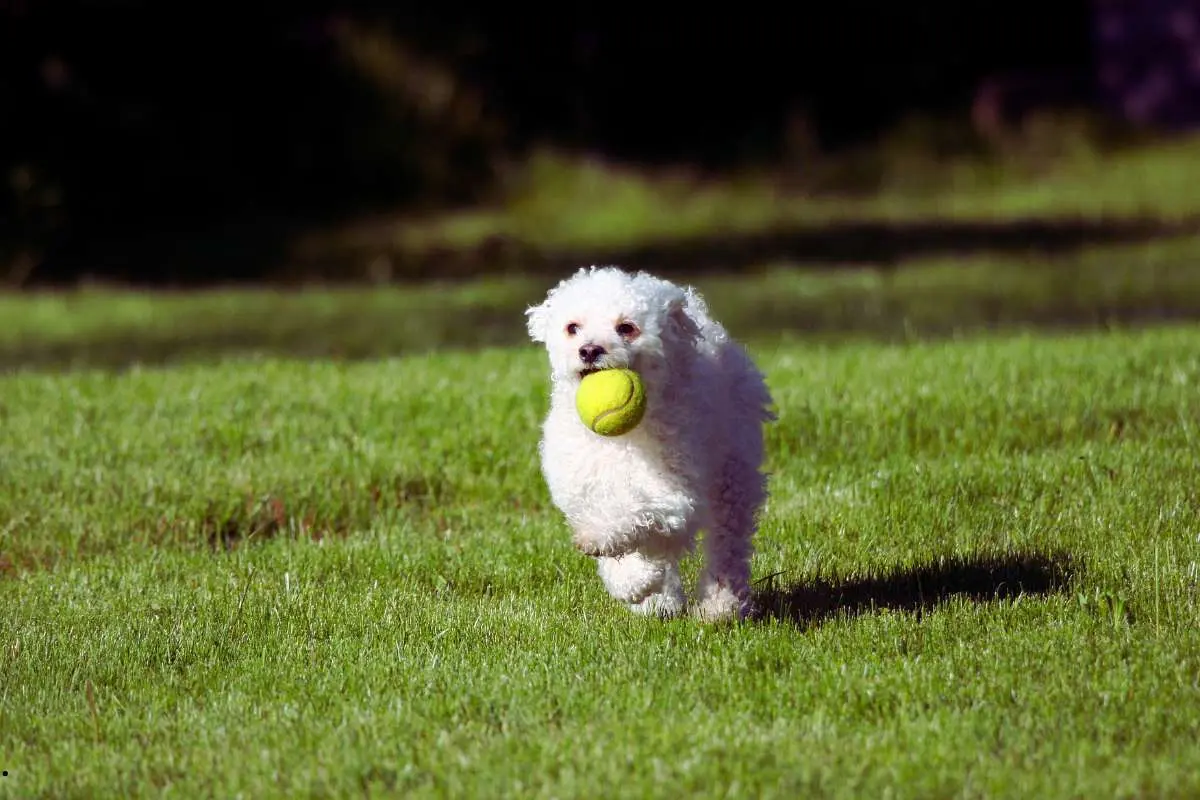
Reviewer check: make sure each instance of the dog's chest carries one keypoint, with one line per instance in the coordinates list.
(621, 473)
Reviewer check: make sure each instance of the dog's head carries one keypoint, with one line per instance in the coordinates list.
(604, 317)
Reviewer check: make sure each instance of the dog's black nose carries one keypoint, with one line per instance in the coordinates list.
(590, 352)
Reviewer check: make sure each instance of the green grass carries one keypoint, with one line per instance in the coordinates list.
(266, 577)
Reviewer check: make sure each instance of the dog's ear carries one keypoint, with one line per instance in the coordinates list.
(537, 320)
(680, 321)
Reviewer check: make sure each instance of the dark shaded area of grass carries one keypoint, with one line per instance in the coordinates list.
(354, 334)
(881, 280)
(219, 258)
(917, 589)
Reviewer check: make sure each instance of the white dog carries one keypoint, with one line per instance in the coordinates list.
(636, 502)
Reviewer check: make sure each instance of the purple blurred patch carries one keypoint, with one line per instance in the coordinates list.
(1148, 55)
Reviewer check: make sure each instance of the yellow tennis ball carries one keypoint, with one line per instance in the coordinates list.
(611, 402)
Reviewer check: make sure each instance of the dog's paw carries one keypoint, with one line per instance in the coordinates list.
(721, 605)
(663, 605)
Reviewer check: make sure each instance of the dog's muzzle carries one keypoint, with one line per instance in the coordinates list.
(592, 356)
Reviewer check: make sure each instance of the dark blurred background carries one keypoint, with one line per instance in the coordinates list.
(182, 143)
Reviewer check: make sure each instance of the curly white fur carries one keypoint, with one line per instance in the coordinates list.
(636, 502)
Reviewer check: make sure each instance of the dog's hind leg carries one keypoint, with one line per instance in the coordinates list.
(724, 587)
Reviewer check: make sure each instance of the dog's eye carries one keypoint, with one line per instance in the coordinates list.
(572, 328)
(627, 329)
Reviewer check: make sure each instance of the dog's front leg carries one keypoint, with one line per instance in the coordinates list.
(631, 578)
(646, 585)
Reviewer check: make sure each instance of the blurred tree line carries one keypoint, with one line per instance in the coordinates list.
(132, 123)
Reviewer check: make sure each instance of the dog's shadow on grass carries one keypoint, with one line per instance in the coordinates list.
(914, 589)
